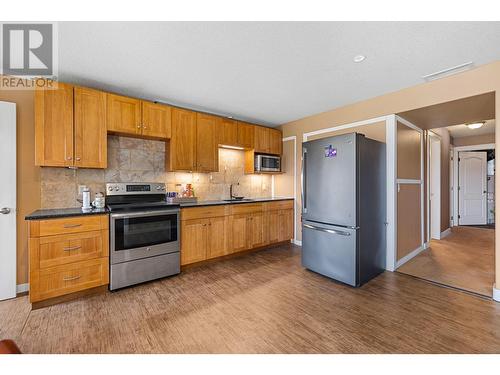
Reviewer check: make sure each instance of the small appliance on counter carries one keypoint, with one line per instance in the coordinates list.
(86, 206)
(344, 207)
(99, 200)
(144, 233)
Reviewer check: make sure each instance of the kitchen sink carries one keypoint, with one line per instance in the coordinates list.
(238, 200)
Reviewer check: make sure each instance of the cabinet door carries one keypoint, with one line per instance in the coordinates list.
(194, 241)
(124, 114)
(156, 120)
(182, 152)
(256, 236)
(227, 131)
(206, 143)
(286, 225)
(275, 141)
(261, 139)
(239, 232)
(273, 226)
(245, 135)
(54, 126)
(90, 128)
(218, 237)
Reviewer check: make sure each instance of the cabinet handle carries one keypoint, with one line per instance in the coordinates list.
(69, 158)
(72, 248)
(139, 126)
(72, 225)
(71, 278)
(78, 159)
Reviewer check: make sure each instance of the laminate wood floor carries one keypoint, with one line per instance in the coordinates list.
(263, 302)
(465, 259)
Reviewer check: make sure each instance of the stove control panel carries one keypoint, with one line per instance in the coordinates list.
(129, 188)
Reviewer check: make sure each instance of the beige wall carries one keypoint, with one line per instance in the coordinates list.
(474, 140)
(477, 81)
(28, 176)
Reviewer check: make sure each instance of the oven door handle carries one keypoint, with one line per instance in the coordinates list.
(144, 213)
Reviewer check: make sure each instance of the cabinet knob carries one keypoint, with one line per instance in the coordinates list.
(138, 126)
(78, 159)
(69, 158)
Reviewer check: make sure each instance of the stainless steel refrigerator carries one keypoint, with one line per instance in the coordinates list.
(344, 207)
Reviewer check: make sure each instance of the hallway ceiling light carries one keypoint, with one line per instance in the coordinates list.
(476, 125)
(359, 58)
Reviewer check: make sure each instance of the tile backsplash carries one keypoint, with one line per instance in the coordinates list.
(139, 160)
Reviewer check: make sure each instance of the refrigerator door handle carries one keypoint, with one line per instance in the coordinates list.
(303, 180)
(332, 231)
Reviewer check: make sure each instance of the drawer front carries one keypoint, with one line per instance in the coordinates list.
(72, 225)
(246, 208)
(280, 205)
(203, 212)
(70, 278)
(69, 248)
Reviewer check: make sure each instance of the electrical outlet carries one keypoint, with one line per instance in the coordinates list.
(81, 188)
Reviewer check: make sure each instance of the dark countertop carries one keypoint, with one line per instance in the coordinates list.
(63, 212)
(69, 212)
(221, 202)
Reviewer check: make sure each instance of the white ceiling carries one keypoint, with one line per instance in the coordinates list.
(269, 73)
(459, 131)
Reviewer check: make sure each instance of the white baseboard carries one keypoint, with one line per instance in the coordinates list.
(496, 293)
(297, 242)
(21, 288)
(445, 233)
(411, 255)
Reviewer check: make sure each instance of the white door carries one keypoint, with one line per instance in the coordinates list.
(7, 200)
(435, 187)
(472, 197)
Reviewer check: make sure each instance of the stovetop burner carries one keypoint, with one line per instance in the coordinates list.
(134, 196)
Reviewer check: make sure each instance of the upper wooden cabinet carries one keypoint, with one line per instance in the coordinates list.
(67, 138)
(124, 114)
(156, 120)
(275, 141)
(182, 149)
(227, 131)
(54, 126)
(245, 135)
(206, 143)
(90, 128)
(261, 135)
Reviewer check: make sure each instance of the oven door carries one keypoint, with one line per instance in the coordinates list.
(143, 234)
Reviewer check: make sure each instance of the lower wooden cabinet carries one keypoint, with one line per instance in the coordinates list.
(67, 255)
(233, 228)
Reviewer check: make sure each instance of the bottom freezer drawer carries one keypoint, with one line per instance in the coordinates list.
(141, 270)
(330, 251)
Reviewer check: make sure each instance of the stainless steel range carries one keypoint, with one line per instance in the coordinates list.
(144, 233)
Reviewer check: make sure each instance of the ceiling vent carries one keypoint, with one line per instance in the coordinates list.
(448, 71)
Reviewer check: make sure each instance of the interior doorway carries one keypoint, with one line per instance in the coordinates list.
(434, 184)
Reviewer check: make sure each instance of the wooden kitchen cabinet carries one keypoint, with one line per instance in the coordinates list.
(54, 126)
(123, 115)
(67, 255)
(255, 234)
(261, 139)
(245, 135)
(218, 237)
(182, 148)
(194, 240)
(156, 120)
(273, 226)
(90, 128)
(227, 130)
(207, 155)
(286, 225)
(239, 232)
(275, 141)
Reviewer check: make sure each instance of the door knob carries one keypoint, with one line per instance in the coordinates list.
(5, 210)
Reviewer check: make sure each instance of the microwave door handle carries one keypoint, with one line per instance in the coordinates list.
(303, 180)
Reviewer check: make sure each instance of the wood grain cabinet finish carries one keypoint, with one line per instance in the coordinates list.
(275, 142)
(207, 159)
(181, 153)
(67, 255)
(227, 130)
(54, 126)
(194, 240)
(261, 139)
(239, 232)
(123, 115)
(255, 235)
(218, 237)
(90, 128)
(246, 135)
(156, 120)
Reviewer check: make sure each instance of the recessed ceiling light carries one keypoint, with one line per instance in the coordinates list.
(475, 125)
(359, 58)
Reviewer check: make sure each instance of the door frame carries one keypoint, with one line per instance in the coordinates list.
(456, 150)
(431, 136)
(294, 139)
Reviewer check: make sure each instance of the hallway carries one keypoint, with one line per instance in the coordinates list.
(464, 259)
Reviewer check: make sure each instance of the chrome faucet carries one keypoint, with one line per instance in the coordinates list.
(231, 196)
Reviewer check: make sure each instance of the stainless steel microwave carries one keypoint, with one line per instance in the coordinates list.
(267, 163)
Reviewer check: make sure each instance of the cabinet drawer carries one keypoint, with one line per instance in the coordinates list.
(246, 208)
(69, 278)
(70, 225)
(203, 212)
(69, 248)
(280, 205)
